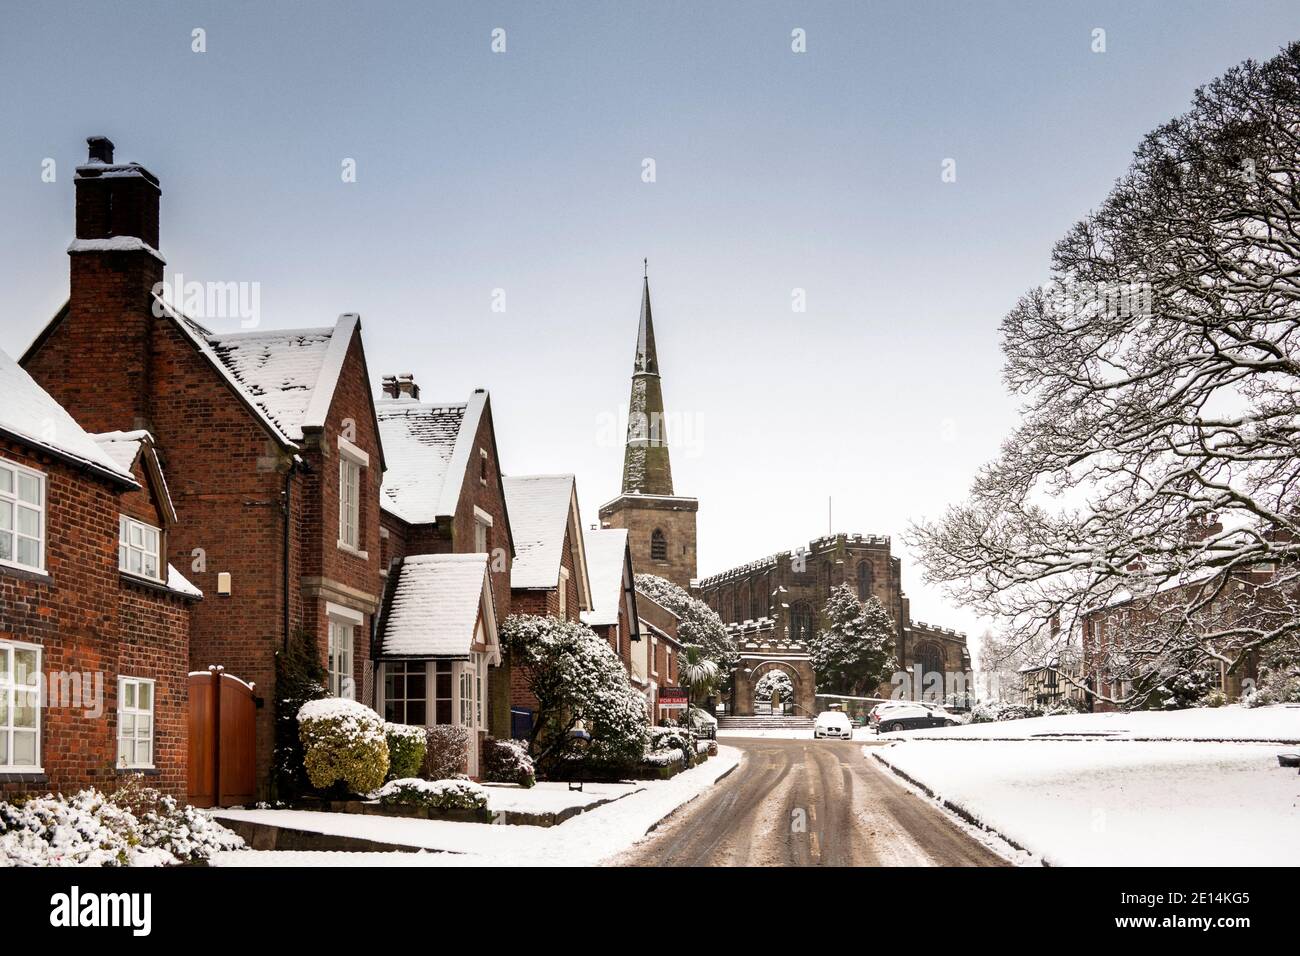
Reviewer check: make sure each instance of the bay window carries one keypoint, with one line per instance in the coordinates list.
(22, 517)
(20, 712)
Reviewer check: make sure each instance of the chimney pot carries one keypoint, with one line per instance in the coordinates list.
(101, 149)
(401, 386)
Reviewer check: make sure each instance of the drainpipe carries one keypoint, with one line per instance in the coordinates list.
(287, 508)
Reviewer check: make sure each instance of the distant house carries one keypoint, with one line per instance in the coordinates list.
(613, 592)
(443, 494)
(94, 619)
(549, 575)
(437, 639)
(656, 665)
(268, 440)
(1047, 685)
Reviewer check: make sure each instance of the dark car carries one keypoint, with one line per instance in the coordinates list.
(913, 717)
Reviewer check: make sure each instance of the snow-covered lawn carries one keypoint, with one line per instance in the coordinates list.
(1280, 723)
(1111, 803)
(785, 733)
(584, 840)
(550, 797)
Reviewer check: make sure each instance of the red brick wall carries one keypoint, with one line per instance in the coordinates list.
(88, 620)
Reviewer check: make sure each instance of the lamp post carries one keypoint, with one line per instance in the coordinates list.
(580, 739)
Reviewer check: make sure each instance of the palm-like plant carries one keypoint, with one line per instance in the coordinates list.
(699, 674)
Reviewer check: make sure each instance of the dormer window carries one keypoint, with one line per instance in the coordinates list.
(22, 517)
(139, 548)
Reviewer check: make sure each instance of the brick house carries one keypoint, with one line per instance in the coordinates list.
(94, 620)
(549, 575)
(268, 439)
(655, 665)
(613, 592)
(442, 494)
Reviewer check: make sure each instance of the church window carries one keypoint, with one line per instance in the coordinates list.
(864, 580)
(658, 546)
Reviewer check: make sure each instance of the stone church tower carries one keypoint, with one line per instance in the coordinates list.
(660, 524)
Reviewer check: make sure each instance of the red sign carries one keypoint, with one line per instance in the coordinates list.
(672, 698)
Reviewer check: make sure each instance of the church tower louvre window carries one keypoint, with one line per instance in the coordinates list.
(658, 546)
(864, 580)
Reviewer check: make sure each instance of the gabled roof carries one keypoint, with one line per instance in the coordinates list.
(29, 414)
(125, 448)
(606, 563)
(542, 508)
(286, 377)
(435, 605)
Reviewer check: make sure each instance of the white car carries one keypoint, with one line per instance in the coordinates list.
(833, 723)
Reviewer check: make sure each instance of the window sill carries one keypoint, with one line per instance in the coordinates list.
(24, 776)
(24, 572)
(363, 555)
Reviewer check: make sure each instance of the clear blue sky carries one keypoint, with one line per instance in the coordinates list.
(522, 171)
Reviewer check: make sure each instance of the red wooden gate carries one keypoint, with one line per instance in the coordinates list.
(223, 739)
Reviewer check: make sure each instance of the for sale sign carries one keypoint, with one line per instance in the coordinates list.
(672, 698)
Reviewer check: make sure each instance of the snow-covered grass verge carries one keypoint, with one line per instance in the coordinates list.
(585, 840)
(1106, 803)
(1279, 723)
(552, 796)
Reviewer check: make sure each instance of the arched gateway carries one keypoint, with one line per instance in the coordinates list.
(760, 652)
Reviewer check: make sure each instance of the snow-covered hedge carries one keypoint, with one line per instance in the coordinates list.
(507, 761)
(663, 758)
(135, 826)
(406, 747)
(344, 743)
(673, 739)
(988, 711)
(435, 794)
(446, 752)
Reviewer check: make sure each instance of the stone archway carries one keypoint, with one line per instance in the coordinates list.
(758, 659)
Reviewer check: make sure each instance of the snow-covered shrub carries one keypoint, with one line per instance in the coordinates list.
(698, 624)
(446, 753)
(136, 826)
(575, 675)
(406, 746)
(435, 794)
(663, 758)
(344, 744)
(988, 711)
(1065, 706)
(507, 761)
(774, 681)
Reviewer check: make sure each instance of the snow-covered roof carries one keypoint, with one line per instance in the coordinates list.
(435, 605)
(122, 447)
(427, 449)
(539, 507)
(178, 582)
(286, 376)
(606, 556)
(31, 415)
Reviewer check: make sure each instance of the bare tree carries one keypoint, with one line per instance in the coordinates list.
(1158, 367)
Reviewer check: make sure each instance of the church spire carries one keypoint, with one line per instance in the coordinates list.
(646, 467)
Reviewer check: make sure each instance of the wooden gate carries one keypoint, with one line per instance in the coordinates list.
(223, 739)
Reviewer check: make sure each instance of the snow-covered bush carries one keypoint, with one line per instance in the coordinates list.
(446, 753)
(507, 761)
(299, 677)
(777, 681)
(989, 711)
(576, 676)
(1065, 706)
(434, 794)
(406, 747)
(136, 826)
(698, 624)
(663, 758)
(344, 744)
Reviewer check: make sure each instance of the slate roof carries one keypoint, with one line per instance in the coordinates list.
(424, 444)
(435, 606)
(539, 507)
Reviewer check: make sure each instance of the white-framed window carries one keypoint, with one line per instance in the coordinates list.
(482, 531)
(343, 624)
(406, 692)
(479, 664)
(22, 517)
(466, 696)
(564, 591)
(20, 712)
(135, 724)
(139, 548)
(349, 503)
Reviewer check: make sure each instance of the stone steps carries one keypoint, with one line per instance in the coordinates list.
(765, 723)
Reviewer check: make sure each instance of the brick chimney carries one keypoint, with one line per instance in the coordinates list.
(401, 386)
(96, 361)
